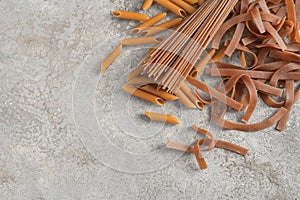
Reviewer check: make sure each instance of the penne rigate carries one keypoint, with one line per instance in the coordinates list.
(187, 7)
(161, 27)
(148, 23)
(162, 117)
(184, 99)
(141, 80)
(147, 4)
(144, 95)
(130, 15)
(202, 63)
(160, 93)
(172, 7)
(111, 58)
(191, 1)
(141, 41)
(191, 96)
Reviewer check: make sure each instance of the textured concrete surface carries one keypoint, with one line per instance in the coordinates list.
(68, 133)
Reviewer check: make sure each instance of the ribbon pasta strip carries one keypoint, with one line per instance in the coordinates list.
(210, 143)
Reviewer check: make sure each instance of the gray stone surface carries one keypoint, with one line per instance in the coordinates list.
(53, 141)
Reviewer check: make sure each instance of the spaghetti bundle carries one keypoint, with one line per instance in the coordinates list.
(172, 60)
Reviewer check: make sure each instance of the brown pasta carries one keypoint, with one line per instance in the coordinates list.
(148, 23)
(130, 15)
(160, 93)
(162, 117)
(161, 27)
(147, 4)
(172, 7)
(144, 95)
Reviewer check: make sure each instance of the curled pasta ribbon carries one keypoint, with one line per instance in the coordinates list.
(162, 117)
(210, 143)
(144, 95)
(130, 15)
(127, 42)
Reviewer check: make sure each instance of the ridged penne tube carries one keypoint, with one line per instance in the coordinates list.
(141, 80)
(130, 15)
(134, 73)
(172, 7)
(219, 55)
(148, 23)
(147, 4)
(160, 93)
(192, 97)
(161, 27)
(191, 1)
(144, 95)
(184, 99)
(187, 7)
(202, 63)
(111, 58)
(162, 117)
(141, 41)
(200, 2)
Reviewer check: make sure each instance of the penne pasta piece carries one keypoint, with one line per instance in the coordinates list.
(141, 80)
(134, 73)
(144, 95)
(141, 41)
(130, 15)
(202, 63)
(187, 7)
(200, 2)
(147, 4)
(111, 58)
(148, 23)
(162, 118)
(160, 93)
(191, 1)
(184, 99)
(191, 95)
(161, 27)
(172, 7)
(219, 55)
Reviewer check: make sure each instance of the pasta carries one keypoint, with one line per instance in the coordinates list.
(147, 4)
(160, 93)
(191, 1)
(111, 58)
(130, 15)
(172, 7)
(144, 95)
(148, 23)
(202, 63)
(162, 117)
(141, 41)
(161, 27)
(187, 7)
(210, 142)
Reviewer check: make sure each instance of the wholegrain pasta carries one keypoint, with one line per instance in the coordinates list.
(162, 117)
(147, 4)
(130, 15)
(161, 27)
(172, 7)
(150, 22)
(144, 95)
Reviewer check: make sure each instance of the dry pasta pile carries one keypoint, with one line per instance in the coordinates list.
(265, 35)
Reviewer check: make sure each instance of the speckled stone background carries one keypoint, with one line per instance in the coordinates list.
(49, 51)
